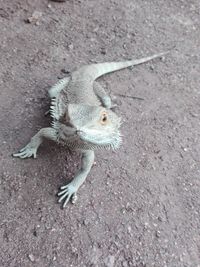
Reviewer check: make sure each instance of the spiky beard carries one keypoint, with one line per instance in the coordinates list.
(87, 142)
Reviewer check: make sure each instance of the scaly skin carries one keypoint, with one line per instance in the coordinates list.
(82, 119)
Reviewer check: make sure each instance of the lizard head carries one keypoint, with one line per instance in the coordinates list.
(95, 125)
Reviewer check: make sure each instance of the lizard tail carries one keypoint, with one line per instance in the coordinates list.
(100, 69)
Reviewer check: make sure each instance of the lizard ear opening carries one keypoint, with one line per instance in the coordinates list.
(104, 118)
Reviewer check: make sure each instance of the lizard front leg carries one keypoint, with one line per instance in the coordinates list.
(31, 148)
(69, 191)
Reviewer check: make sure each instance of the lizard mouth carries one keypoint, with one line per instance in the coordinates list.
(101, 141)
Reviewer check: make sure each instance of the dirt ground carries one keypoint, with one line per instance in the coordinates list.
(140, 205)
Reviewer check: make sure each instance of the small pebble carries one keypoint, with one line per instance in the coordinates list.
(34, 17)
(31, 257)
(70, 46)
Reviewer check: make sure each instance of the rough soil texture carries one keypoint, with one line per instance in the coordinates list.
(140, 206)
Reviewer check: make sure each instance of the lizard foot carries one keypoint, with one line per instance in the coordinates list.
(26, 152)
(67, 192)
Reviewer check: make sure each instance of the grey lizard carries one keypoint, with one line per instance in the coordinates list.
(82, 119)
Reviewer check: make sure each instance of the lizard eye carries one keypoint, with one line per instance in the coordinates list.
(104, 118)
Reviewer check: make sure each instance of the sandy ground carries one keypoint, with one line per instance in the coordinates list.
(140, 206)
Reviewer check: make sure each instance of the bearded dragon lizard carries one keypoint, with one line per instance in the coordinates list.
(82, 119)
